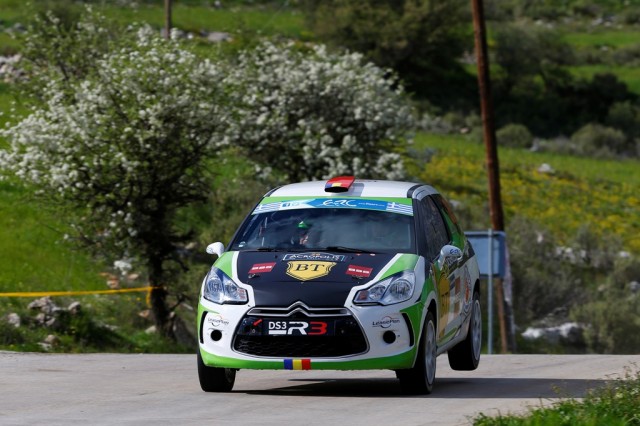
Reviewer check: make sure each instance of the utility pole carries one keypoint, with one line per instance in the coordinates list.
(167, 19)
(491, 149)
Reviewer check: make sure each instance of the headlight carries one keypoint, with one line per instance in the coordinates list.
(221, 289)
(395, 289)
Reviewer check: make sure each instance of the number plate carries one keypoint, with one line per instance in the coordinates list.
(306, 327)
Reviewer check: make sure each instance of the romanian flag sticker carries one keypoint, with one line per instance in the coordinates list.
(297, 364)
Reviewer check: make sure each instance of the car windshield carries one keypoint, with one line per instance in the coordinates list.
(329, 228)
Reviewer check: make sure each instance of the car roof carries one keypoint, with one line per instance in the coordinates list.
(365, 188)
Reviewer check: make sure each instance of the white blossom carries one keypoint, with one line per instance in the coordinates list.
(314, 115)
(122, 132)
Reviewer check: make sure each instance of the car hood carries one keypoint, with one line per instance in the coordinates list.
(318, 279)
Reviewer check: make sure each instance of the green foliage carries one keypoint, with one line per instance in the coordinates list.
(617, 403)
(534, 87)
(93, 328)
(553, 10)
(542, 280)
(420, 39)
(62, 44)
(613, 312)
(599, 141)
(625, 116)
(514, 136)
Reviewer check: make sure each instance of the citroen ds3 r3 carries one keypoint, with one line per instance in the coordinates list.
(344, 274)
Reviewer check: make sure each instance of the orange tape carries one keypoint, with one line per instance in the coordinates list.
(74, 293)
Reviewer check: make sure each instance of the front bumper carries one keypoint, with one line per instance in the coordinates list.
(385, 338)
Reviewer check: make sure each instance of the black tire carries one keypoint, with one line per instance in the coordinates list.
(466, 354)
(420, 378)
(213, 379)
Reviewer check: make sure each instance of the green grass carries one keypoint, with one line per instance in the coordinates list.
(601, 194)
(618, 403)
(33, 256)
(627, 74)
(268, 21)
(613, 38)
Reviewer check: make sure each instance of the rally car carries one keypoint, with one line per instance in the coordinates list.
(344, 274)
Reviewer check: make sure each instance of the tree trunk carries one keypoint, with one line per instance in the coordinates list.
(167, 323)
(161, 313)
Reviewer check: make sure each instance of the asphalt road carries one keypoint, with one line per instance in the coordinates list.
(69, 389)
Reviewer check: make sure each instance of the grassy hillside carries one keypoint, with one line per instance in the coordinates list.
(602, 44)
(581, 191)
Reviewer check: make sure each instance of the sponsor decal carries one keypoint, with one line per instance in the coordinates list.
(443, 285)
(217, 321)
(294, 204)
(455, 287)
(297, 328)
(340, 203)
(314, 256)
(386, 322)
(467, 290)
(359, 271)
(297, 364)
(347, 203)
(262, 267)
(303, 270)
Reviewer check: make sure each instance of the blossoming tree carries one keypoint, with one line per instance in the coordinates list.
(313, 114)
(126, 149)
(132, 140)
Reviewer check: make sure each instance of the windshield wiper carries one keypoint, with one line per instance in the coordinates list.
(344, 249)
(267, 249)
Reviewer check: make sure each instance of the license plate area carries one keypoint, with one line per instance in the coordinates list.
(298, 327)
(274, 327)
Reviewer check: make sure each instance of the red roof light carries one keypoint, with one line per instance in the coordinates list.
(339, 184)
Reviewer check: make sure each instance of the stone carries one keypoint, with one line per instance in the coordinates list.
(14, 319)
(74, 308)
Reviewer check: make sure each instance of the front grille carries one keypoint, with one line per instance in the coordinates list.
(300, 346)
(346, 339)
(299, 308)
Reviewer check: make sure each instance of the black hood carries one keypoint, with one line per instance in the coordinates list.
(318, 279)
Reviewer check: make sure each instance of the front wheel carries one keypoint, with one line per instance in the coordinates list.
(420, 378)
(466, 354)
(213, 379)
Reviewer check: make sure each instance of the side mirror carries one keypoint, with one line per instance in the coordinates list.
(216, 248)
(449, 255)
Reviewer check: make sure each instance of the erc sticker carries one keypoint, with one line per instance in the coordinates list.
(262, 267)
(308, 270)
(359, 271)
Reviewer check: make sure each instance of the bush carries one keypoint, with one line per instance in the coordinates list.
(599, 141)
(631, 15)
(542, 279)
(514, 136)
(613, 317)
(422, 40)
(625, 116)
(627, 56)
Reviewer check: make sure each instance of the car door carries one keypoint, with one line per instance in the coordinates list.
(446, 275)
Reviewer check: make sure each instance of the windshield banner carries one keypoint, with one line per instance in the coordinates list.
(346, 203)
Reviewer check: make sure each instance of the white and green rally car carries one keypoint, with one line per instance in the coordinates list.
(342, 274)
